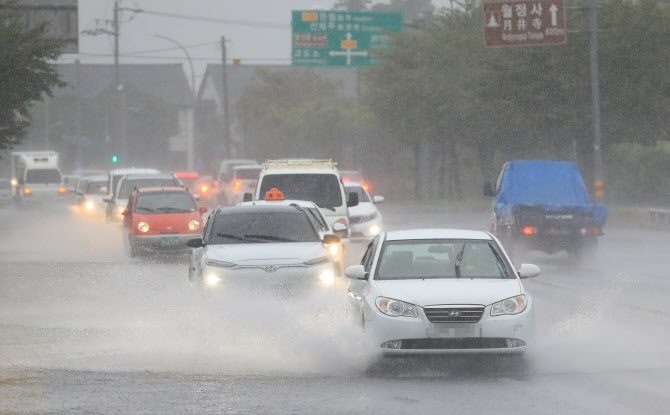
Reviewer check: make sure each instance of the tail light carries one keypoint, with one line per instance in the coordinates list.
(366, 186)
(203, 188)
(61, 190)
(591, 231)
(237, 185)
(27, 191)
(346, 180)
(528, 230)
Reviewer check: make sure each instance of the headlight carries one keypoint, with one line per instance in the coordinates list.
(327, 277)
(213, 279)
(317, 261)
(375, 229)
(395, 308)
(194, 225)
(221, 264)
(514, 305)
(143, 227)
(120, 209)
(89, 205)
(334, 249)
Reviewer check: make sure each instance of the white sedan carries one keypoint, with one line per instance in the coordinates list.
(442, 291)
(268, 248)
(365, 219)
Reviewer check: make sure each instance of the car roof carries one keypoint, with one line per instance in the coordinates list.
(162, 189)
(436, 234)
(248, 166)
(285, 202)
(259, 209)
(147, 176)
(133, 170)
(94, 178)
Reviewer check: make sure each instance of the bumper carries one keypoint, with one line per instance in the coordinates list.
(162, 243)
(402, 336)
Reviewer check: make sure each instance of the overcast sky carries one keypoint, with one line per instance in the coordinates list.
(251, 44)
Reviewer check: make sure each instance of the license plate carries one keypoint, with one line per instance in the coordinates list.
(169, 241)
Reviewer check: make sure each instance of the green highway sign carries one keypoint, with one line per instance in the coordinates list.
(340, 38)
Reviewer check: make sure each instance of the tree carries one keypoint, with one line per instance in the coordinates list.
(413, 11)
(25, 72)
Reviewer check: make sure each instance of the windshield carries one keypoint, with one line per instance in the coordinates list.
(438, 258)
(262, 227)
(127, 186)
(93, 188)
(362, 194)
(43, 176)
(247, 174)
(164, 202)
(322, 189)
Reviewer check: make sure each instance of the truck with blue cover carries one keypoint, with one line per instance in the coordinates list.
(543, 205)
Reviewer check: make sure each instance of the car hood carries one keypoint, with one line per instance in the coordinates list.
(362, 209)
(267, 253)
(449, 291)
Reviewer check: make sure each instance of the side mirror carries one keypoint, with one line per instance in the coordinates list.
(330, 239)
(248, 197)
(488, 190)
(353, 200)
(339, 227)
(202, 209)
(125, 212)
(196, 197)
(356, 272)
(195, 243)
(378, 199)
(529, 271)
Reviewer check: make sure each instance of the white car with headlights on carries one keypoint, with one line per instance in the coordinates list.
(365, 219)
(441, 291)
(270, 248)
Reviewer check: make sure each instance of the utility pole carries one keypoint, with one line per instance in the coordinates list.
(226, 113)
(595, 103)
(77, 117)
(115, 32)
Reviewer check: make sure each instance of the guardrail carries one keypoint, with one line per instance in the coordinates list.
(659, 216)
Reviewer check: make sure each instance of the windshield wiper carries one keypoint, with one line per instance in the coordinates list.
(271, 238)
(329, 207)
(231, 236)
(144, 208)
(457, 265)
(174, 209)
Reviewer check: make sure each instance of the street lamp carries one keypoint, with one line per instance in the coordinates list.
(190, 135)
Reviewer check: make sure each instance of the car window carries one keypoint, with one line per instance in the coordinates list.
(369, 256)
(208, 228)
(247, 174)
(322, 189)
(319, 221)
(362, 194)
(439, 258)
(93, 188)
(128, 185)
(262, 227)
(43, 176)
(164, 202)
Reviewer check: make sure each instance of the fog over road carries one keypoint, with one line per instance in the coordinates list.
(84, 329)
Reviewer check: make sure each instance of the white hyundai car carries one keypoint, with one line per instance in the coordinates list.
(267, 248)
(365, 219)
(432, 291)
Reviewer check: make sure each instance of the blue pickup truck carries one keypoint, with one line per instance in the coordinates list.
(544, 205)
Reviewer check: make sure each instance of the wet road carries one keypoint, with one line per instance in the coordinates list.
(85, 330)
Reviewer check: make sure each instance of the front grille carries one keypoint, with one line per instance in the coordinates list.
(454, 314)
(457, 343)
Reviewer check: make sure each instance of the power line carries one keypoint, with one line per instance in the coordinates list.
(195, 45)
(268, 25)
(180, 57)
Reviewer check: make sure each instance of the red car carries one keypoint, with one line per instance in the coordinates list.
(161, 219)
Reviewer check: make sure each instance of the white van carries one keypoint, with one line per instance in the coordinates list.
(314, 180)
(36, 176)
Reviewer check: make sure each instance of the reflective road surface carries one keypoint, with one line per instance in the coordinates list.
(84, 330)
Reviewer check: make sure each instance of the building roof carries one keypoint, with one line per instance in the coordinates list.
(165, 81)
(240, 76)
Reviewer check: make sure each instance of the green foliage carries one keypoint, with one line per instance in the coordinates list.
(638, 174)
(440, 87)
(297, 113)
(25, 73)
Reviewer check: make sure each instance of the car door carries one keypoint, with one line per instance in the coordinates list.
(359, 288)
